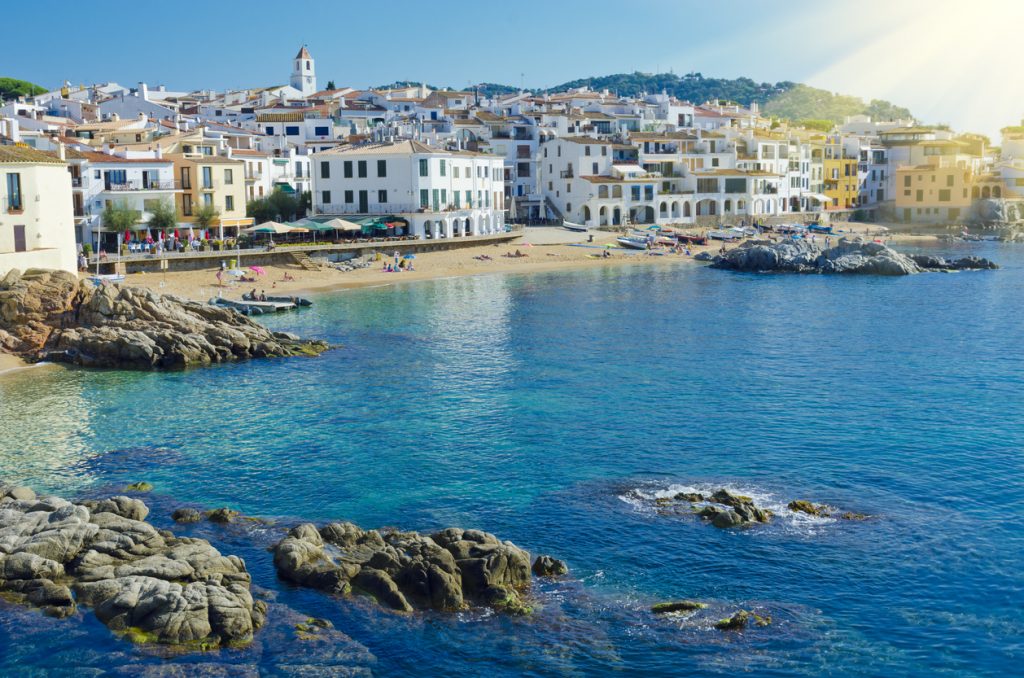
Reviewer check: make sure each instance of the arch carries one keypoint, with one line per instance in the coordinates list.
(617, 191)
(602, 191)
(975, 192)
(586, 214)
(758, 206)
(485, 223)
(602, 216)
(676, 213)
(706, 207)
(741, 205)
(428, 229)
(727, 208)
(617, 216)
(643, 215)
(985, 192)
(794, 204)
(686, 209)
(997, 192)
(663, 209)
(467, 226)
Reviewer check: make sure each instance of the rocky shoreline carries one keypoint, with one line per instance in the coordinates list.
(51, 315)
(850, 256)
(151, 586)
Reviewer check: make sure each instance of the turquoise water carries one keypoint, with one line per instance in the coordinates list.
(549, 409)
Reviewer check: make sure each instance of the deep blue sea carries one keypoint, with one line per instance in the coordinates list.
(551, 409)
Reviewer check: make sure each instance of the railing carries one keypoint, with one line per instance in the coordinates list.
(377, 208)
(142, 186)
(566, 174)
(76, 182)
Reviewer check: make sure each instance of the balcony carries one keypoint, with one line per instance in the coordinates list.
(388, 208)
(76, 182)
(142, 186)
(566, 174)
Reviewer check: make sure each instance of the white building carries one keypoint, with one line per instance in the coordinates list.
(102, 179)
(36, 225)
(439, 193)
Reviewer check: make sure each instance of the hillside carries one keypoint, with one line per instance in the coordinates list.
(11, 88)
(784, 99)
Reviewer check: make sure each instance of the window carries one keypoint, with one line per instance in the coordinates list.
(298, 169)
(14, 199)
(595, 168)
(469, 198)
(906, 180)
(586, 150)
(714, 162)
(361, 166)
(292, 130)
(325, 169)
(735, 185)
(207, 177)
(443, 170)
(424, 197)
(208, 199)
(350, 197)
(920, 195)
(325, 197)
(635, 193)
(943, 195)
(604, 150)
(347, 169)
(229, 177)
(382, 196)
(424, 167)
(382, 169)
(949, 180)
(322, 131)
(270, 132)
(458, 201)
(229, 203)
(455, 171)
(444, 197)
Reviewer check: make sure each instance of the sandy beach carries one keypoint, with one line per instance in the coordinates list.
(545, 249)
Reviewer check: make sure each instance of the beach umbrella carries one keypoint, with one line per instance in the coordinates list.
(409, 256)
(258, 270)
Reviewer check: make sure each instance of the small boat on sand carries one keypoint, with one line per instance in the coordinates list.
(725, 234)
(570, 226)
(632, 242)
(691, 239)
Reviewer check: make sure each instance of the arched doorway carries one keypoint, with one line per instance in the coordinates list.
(686, 210)
(985, 192)
(428, 229)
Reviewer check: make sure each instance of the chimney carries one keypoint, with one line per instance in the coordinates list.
(60, 151)
(143, 91)
(227, 151)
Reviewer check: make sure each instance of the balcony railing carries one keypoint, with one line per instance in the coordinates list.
(76, 182)
(566, 174)
(143, 186)
(387, 208)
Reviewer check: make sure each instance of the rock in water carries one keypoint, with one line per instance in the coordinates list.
(735, 510)
(546, 566)
(406, 570)
(848, 256)
(741, 620)
(50, 314)
(147, 585)
(677, 606)
(186, 515)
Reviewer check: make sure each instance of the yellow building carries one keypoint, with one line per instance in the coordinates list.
(939, 192)
(839, 182)
(212, 180)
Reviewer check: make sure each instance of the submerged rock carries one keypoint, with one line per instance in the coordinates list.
(407, 570)
(186, 515)
(677, 606)
(733, 510)
(847, 256)
(51, 315)
(741, 620)
(147, 585)
(141, 486)
(221, 515)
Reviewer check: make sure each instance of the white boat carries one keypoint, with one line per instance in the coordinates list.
(111, 278)
(725, 234)
(632, 242)
(569, 226)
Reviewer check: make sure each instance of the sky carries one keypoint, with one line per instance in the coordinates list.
(948, 61)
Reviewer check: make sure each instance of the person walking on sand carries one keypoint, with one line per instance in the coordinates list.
(220, 277)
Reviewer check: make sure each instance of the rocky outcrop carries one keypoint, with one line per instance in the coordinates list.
(147, 585)
(677, 606)
(848, 256)
(406, 570)
(740, 620)
(51, 315)
(546, 566)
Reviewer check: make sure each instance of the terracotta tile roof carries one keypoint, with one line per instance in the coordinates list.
(27, 155)
(98, 157)
(588, 141)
